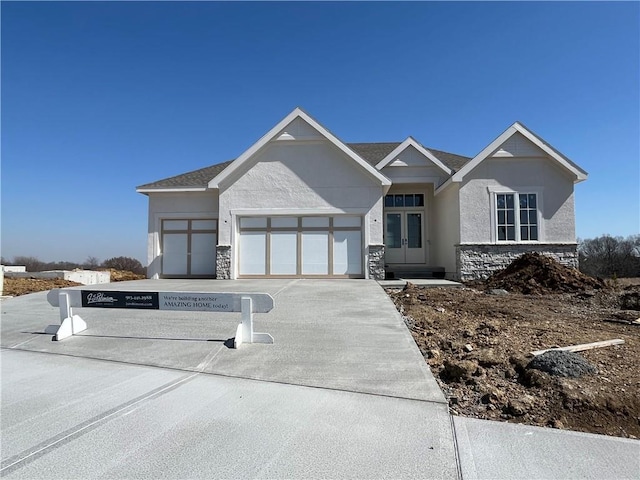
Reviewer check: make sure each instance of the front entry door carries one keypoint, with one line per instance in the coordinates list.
(404, 237)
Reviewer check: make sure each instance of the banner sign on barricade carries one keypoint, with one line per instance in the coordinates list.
(246, 303)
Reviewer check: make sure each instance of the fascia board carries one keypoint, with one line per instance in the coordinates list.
(580, 174)
(171, 190)
(410, 141)
(488, 150)
(297, 112)
(443, 186)
(396, 151)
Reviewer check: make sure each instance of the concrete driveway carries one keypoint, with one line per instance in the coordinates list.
(373, 409)
(343, 393)
(339, 334)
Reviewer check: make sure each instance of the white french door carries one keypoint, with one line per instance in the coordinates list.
(404, 237)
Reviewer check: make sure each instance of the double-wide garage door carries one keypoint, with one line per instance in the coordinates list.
(300, 246)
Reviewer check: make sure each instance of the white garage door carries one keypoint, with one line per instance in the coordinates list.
(300, 246)
(189, 248)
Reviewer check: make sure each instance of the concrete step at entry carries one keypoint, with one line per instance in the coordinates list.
(414, 271)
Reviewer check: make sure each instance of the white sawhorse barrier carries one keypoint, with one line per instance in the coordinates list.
(246, 303)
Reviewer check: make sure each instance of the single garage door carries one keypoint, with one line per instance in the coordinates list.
(189, 248)
(300, 246)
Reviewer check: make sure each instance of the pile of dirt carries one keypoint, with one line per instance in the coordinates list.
(534, 273)
(479, 346)
(21, 286)
(124, 275)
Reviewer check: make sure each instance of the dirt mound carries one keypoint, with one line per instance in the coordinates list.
(123, 275)
(562, 364)
(22, 286)
(534, 273)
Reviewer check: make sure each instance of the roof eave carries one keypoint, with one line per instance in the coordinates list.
(170, 189)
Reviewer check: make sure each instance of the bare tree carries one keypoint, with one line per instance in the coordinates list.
(91, 263)
(124, 263)
(608, 256)
(32, 264)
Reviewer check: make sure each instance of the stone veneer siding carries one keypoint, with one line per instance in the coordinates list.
(478, 261)
(223, 262)
(376, 262)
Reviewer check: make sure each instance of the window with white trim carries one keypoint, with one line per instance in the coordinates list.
(517, 217)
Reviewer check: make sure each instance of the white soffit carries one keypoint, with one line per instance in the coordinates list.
(493, 149)
(280, 133)
(392, 158)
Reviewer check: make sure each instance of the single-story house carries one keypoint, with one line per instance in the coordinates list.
(300, 202)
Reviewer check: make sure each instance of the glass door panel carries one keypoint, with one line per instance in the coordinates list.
(414, 245)
(394, 246)
(414, 230)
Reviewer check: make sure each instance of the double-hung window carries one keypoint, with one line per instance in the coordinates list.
(517, 217)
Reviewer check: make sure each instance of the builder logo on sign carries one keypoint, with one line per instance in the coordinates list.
(110, 299)
(99, 297)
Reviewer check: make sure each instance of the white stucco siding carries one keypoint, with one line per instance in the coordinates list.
(174, 205)
(525, 175)
(302, 178)
(446, 231)
(425, 173)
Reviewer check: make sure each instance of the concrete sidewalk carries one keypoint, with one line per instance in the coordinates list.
(343, 393)
(66, 417)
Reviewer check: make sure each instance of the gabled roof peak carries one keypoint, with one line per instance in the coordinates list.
(518, 127)
(271, 134)
(412, 142)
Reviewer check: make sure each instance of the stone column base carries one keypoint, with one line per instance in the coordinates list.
(223, 262)
(376, 262)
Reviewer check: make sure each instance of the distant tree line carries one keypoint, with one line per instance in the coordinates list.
(608, 256)
(33, 264)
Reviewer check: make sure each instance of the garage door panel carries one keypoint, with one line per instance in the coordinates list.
(174, 257)
(284, 257)
(315, 253)
(203, 253)
(253, 248)
(347, 252)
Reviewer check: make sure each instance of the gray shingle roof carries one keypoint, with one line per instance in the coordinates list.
(375, 152)
(371, 152)
(196, 178)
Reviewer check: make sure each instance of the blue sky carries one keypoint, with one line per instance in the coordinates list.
(99, 97)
